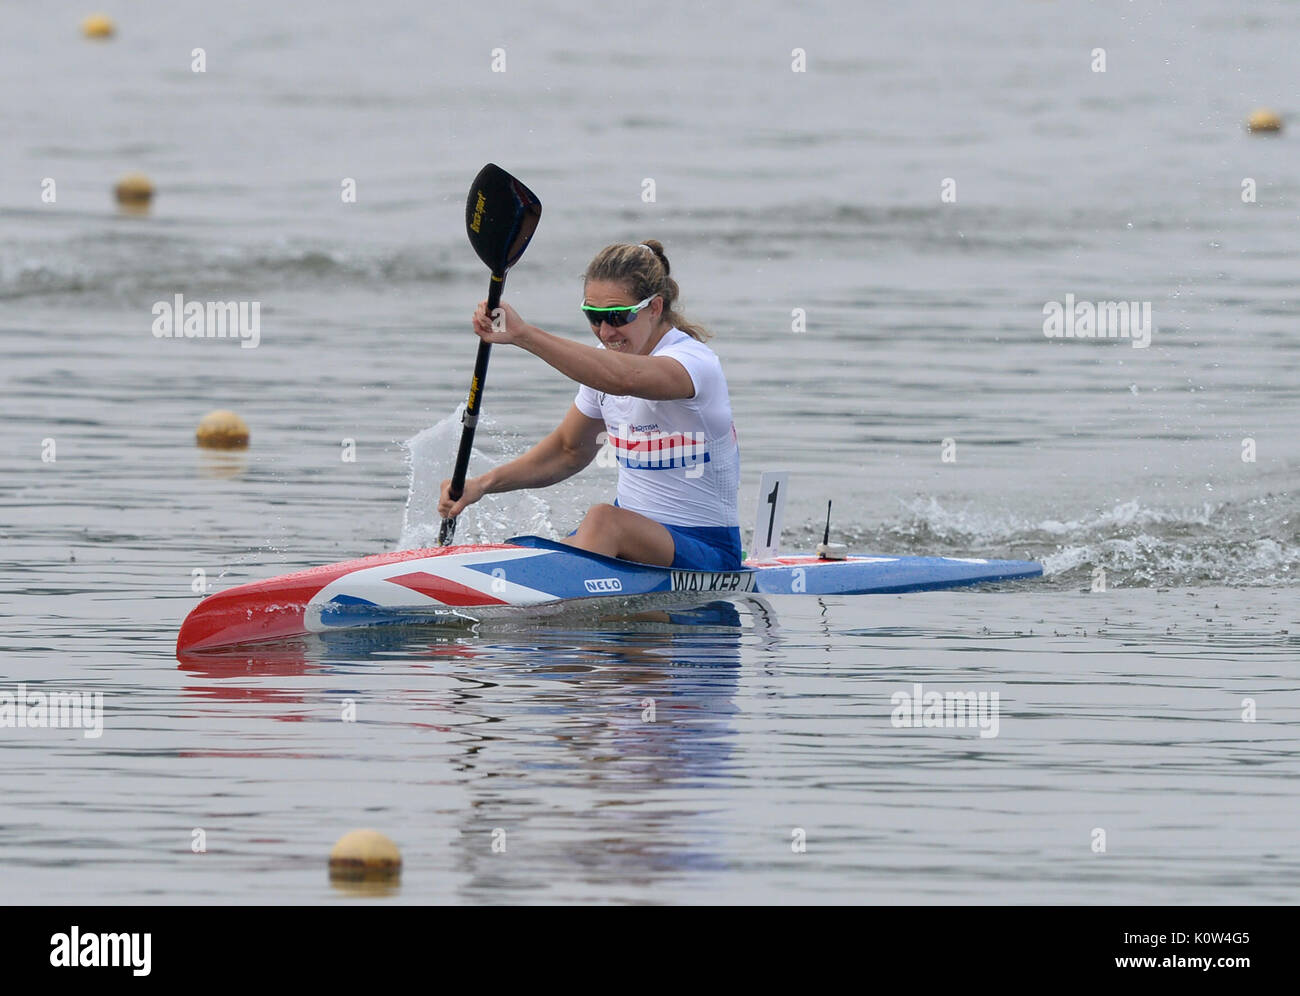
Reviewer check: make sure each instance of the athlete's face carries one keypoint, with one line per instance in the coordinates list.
(638, 335)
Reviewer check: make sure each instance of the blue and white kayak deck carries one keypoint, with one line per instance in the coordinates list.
(425, 585)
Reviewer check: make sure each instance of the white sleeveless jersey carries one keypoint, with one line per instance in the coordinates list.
(678, 461)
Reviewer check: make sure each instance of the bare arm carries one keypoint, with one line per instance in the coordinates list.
(655, 378)
(562, 454)
(559, 456)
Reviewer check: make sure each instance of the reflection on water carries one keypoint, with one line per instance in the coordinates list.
(627, 713)
(667, 754)
(223, 463)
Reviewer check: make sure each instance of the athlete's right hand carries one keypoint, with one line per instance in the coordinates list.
(449, 509)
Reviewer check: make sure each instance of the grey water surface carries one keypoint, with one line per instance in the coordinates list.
(883, 344)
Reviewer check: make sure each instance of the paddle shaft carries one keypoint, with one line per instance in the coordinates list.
(469, 421)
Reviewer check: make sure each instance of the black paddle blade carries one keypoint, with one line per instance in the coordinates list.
(500, 216)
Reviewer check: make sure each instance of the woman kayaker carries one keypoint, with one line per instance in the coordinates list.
(657, 393)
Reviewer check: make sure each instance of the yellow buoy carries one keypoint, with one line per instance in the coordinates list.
(98, 26)
(222, 430)
(134, 189)
(365, 855)
(1262, 119)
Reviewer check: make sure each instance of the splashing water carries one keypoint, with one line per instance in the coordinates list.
(431, 457)
(1254, 542)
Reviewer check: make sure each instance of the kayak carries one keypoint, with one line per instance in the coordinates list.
(476, 582)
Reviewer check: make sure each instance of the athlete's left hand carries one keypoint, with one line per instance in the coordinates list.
(506, 327)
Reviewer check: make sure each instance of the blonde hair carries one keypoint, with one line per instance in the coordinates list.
(642, 269)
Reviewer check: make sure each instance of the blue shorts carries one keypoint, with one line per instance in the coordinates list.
(703, 548)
